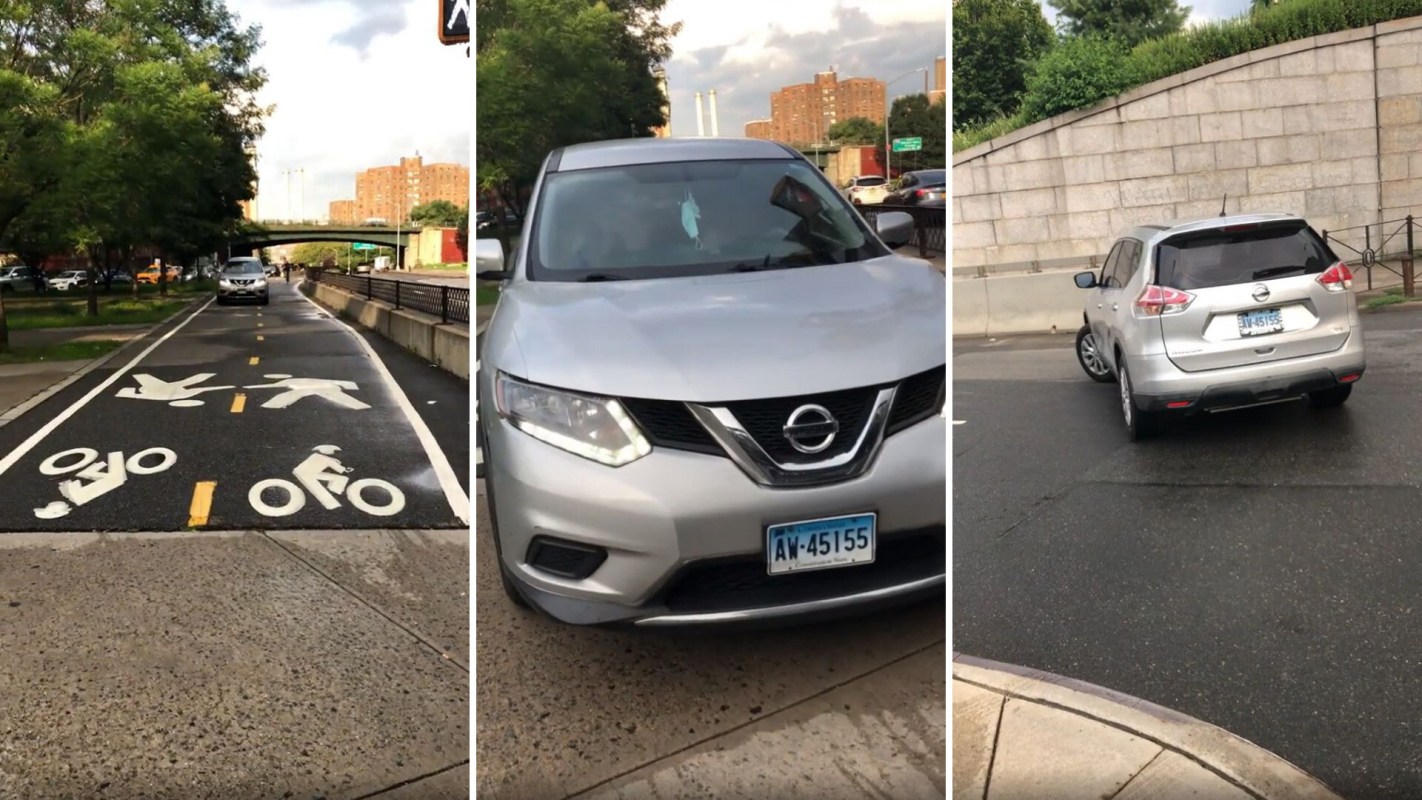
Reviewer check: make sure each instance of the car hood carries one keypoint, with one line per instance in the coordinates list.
(726, 337)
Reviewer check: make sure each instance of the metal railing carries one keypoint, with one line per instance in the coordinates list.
(930, 229)
(1377, 237)
(449, 303)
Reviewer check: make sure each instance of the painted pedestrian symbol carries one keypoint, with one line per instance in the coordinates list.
(94, 478)
(177, 393)
(297, 388)
(324, 477)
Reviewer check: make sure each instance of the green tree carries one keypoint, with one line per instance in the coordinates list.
(1077, 74)
(856, 130)
(556, 72)
(1129, 22)
(912, 115)
(437, 213)
(461, 232)
(994, 44)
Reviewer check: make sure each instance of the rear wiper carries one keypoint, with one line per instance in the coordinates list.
(1260, 275)
(600, 276)
(748, 267)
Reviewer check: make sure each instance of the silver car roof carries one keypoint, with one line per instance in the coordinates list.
(1148, 232)
(646, 150)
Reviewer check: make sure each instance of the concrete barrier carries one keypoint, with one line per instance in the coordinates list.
(445, 346)
(1045, 302)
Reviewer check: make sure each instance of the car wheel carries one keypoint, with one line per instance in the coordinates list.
(510, 589)
(1139, 424)
(1089, 355)
(1331, 398)
(222, 301)
(266, 301)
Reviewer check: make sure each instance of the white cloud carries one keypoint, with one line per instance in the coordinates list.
(339, 109)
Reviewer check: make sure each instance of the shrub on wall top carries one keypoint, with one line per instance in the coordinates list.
(1288, 21)
(1077, 74)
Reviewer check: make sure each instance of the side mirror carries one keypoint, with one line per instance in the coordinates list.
(1085, 280)
(489, 260)
(894, 227)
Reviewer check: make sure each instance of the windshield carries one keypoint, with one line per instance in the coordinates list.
(1241, 254)
(243, 268)
(692, 218)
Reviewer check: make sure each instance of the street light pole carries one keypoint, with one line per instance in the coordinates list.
(888, 104)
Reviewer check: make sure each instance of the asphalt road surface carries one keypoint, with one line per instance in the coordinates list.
(244, 417)
(1256, 569)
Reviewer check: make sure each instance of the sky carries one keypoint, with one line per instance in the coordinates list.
(746, 49)
(355, 84)
(1200, 10)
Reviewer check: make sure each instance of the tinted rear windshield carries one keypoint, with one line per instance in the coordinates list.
(1243, 254)
(869, 181)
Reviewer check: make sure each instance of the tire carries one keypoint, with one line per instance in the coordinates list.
(221, 301)
(1139, 424)
(1089, 356)
(510, 588)
(1331, 398)
(266, 301)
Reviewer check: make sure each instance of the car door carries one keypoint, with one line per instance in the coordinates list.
(1122, 312)
(1097, 310)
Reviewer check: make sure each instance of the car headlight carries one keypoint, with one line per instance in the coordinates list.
(224, 283)
(259, 284)
(596, 428)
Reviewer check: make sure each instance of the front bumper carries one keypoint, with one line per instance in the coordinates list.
(1160, 386)
(684, 532)
(242, 293)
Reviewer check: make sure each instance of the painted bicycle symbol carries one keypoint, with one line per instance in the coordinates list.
(94, 478)
(324, 477)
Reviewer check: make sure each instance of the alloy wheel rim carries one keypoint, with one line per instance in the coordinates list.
(1126, 396)
(1091, 356)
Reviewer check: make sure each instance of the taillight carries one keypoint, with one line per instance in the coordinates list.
(1337, 278)
(1156, 301)
(920, 192)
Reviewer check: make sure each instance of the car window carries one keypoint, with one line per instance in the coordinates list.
(871, 181)
(692, 218)
(1108, 270)
(1129, 262)
(242, 268)
(1241, 254)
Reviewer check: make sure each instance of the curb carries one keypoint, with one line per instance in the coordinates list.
(1235, 759)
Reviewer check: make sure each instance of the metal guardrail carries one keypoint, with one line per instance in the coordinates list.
(449, 303)
(1377, 236)
(930, 226)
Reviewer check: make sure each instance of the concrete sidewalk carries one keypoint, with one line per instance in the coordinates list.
(1020, 734)
(20, 384)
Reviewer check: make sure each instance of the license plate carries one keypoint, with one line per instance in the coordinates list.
(1254, 323)
(820, 544)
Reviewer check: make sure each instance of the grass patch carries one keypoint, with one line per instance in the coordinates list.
(461, 267)
(64, 351)
(486, 294)
(65, 313)
(1385, 300)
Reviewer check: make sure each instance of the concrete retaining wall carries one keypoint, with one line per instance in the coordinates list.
(1046, 302)
(445, 346)
(1328, 127)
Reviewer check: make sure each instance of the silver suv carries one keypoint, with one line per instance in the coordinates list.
(1221, 313)
(710, 392)
(242, 279)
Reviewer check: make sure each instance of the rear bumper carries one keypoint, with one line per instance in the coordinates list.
(1221, 396)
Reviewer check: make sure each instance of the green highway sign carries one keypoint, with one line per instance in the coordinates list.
(908, 145)
(362, 246)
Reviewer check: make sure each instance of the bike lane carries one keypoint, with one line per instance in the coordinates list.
(245, 417)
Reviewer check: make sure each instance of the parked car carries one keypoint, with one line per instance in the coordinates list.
(149, 275)
(242, 279)
(919, 188)
(867, 189)
(1220, 313)
(755, 430)
(69, 279)
(119, 276)
(17, 278)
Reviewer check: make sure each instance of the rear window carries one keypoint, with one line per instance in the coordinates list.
(869, 181)
(1229, 256)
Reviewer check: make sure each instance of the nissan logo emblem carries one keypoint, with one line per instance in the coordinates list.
(1261, 293)
(811, 429)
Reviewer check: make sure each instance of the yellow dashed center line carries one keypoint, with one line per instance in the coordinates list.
(261, 325)
(261, 338)
(238, 403)
(253, 361)
(202, 503)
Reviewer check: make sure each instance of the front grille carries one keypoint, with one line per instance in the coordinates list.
(918, 398)
(742, 583)
(669, 423)
(765, 421)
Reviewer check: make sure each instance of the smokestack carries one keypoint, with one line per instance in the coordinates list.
(700, 121)
(715, 126)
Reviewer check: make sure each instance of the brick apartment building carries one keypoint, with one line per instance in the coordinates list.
(939, 92)
(804, 112)
(390, 192)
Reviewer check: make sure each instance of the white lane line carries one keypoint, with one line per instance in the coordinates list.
(60, 418)
(453, 492)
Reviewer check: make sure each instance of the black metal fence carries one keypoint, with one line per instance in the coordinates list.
(1374, 244)
(449, 303)
(930, 228)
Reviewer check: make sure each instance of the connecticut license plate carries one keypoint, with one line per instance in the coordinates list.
(1268, 320)
(820, 543)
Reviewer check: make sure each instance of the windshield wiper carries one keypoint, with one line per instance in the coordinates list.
(746, 266)
(600, 276)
